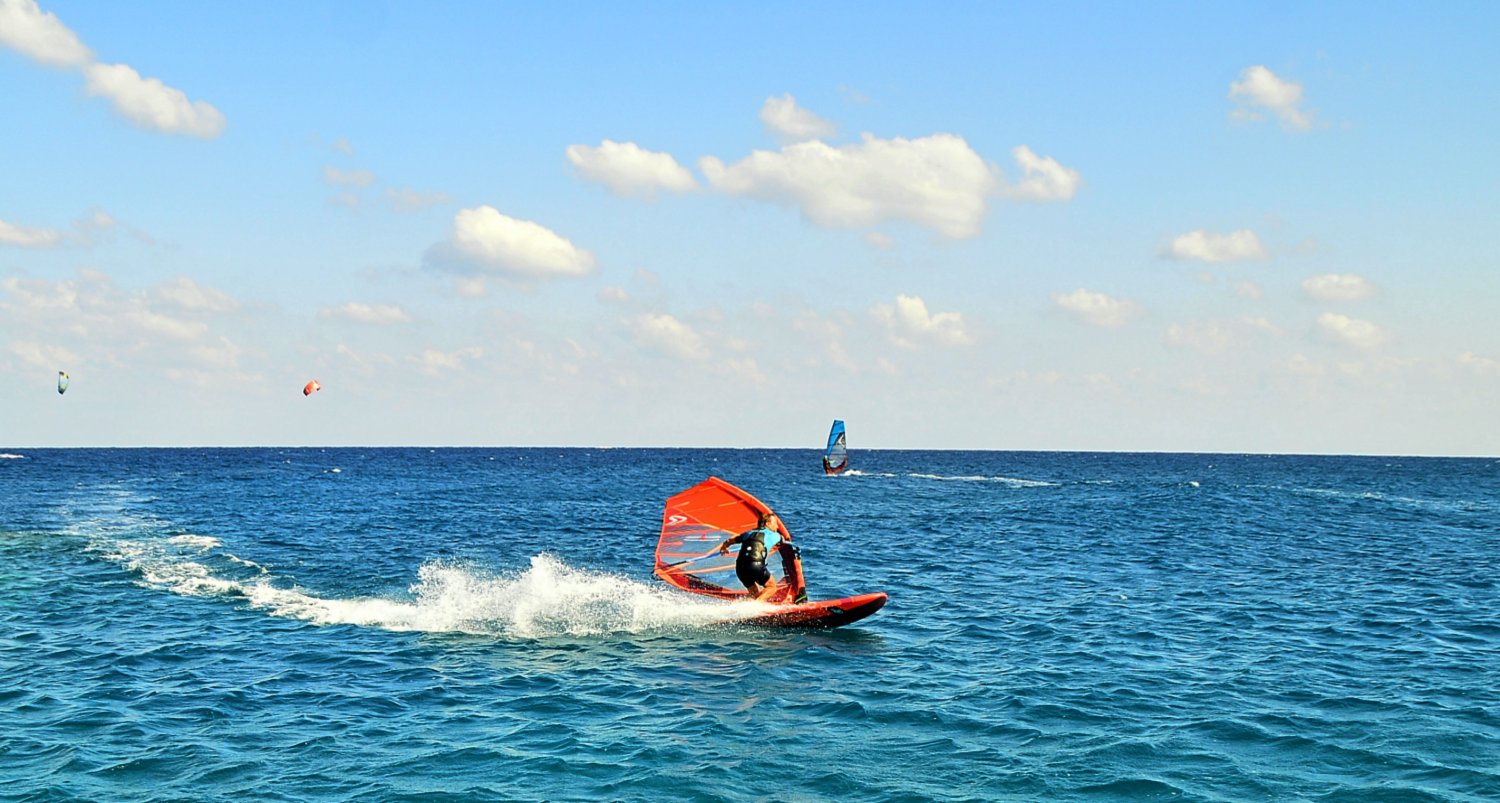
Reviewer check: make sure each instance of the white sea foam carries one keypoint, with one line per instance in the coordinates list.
(549, 598)
(1014, 482)
(202, 542)
(9, 456)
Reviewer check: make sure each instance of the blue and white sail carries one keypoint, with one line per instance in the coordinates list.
(836, 455)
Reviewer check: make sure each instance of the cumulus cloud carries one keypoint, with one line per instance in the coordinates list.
(1352, 331)
(1043, 178)
(1204, 246)
(485, 240)
(224, 352)
(1338, 287)
(39, 35)
(664, 333)
(147, 102)
(151, 104)
(28, 236)
(43, 355)
(85, 232)
(936, 181)
(1260, 90)
(347, 178)
(432, 361)
(164, 330)
(376, 314)
(186, 294)
(627, 169)
(790, 123)
(94, 307)
(908, 323)
(1097, 309)
(1482, 366)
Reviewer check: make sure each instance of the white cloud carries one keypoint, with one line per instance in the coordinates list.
(226, 353)
(1352, 331)
(434, 362)
(880, 240)
(936, 181)
(1207, 337)
(342, 145)
(189, 295)
(347, 178)
(1044, 179)
(1482, 366)
(489, 241)
(1203, 246)
(376, 314)
(148, 320)
(39, 35)
(408, 200)
(147, 102)
(85, 232)
(1097, 309)
(627, 169)
(792, 123)
(42, 355)
(666, 334)
(150, 104)
(93, 307)
(745, 371)
(1338, 287)
(1259, 88)
(27, 236)
(908, 322)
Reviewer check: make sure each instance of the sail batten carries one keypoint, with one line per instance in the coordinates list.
(699, 519)
(836, 455)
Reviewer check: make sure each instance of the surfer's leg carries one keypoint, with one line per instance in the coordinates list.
(750, 575)
(764, 581)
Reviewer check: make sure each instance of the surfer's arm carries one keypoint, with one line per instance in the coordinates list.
(724, 547)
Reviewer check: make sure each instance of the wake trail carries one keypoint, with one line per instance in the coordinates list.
(547, 598)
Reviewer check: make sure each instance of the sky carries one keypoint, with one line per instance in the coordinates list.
(1264, 228)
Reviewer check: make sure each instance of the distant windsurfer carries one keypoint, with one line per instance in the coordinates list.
(755, 545)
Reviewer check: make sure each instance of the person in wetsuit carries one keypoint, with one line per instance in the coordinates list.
(755, 545)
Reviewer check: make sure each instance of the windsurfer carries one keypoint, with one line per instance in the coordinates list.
(755, 545)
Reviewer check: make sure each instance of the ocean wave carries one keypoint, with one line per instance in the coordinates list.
(9, 456)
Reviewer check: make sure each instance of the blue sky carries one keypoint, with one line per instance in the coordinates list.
(1179, 227)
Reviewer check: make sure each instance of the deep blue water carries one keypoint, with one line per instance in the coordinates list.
(482, 624)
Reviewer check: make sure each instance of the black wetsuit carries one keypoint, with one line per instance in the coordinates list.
(750, 567)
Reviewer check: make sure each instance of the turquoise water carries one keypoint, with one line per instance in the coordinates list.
(482, 624)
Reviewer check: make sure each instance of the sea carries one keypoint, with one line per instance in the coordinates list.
(483, 624)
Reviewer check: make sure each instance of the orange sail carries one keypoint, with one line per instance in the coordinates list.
(311, 387)
(694, 524)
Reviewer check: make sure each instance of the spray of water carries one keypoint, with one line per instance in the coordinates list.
(549, 598)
